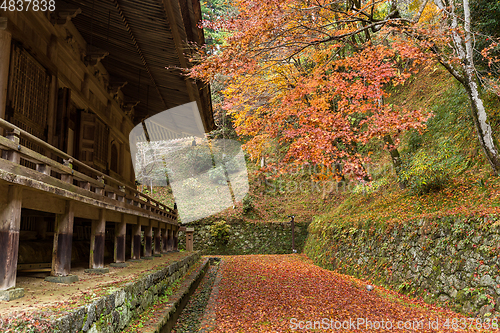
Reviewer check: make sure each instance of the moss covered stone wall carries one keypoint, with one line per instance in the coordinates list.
(453, 260)
(246, 238)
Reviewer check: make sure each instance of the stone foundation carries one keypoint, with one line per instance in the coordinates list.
(113, 312)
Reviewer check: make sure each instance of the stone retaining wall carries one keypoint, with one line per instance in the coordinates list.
(453, 261)
(111, 313)
(247, 238)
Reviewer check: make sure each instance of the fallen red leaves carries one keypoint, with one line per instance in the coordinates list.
(277, 293)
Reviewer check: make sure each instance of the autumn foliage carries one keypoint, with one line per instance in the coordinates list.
(311, 87)
(306, 80)
(274, 293)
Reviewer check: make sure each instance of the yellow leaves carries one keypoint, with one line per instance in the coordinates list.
(430, 13)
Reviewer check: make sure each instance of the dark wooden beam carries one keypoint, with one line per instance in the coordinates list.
(10, 223)
(148, 240)
(164, 239)
(63, 241)
(136, 240)
(174, 16)
(120, 234)
(157, 236)
(97, 241)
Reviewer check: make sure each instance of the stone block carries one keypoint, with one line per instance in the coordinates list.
(118, 264)
(119, 298)
(96, 270)
(11, 294)
(62, 279)
(91, 316)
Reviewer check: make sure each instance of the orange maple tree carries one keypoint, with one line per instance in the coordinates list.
(310, 77)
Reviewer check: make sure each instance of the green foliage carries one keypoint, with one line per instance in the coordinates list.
(371, 187)
(220, 232)
(430, 160)
(427, 172)
(486, 20)
(247, 204)
(211, 11)
(415, 141)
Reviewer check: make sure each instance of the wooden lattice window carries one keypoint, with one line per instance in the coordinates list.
(28, 96)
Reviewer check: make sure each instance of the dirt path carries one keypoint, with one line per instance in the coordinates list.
(285, 293)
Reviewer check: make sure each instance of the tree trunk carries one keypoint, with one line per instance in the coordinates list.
(396, 158)
(464, 50)
(479, 115)
(483, 128)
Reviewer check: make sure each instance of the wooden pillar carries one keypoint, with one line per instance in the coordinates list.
(148, 240)
(97, 241)
(189, 239)
(170, 239)
(157, 236)
(120, 236)
(164, 239)
(136, 240)
(5, 48)
(63, 241)
(176, 239)
(10, 223)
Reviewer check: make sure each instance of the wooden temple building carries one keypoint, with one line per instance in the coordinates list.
(73, 84)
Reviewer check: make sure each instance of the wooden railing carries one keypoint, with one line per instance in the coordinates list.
(86, 177)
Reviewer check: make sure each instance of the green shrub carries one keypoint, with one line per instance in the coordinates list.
(426, 172)
(247, 204)
(220, 232)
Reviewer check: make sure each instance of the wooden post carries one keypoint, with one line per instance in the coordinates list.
(120, 234)
(176, 239)
(10, 223)
(63, 241)
(170, 239)
(13, 155)
(97, 241)
(68, 178)
(157, 236)
(43, 168)
(136, 240)
(5, 46)
(189, 239)
(148, 240)
(164, 239)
